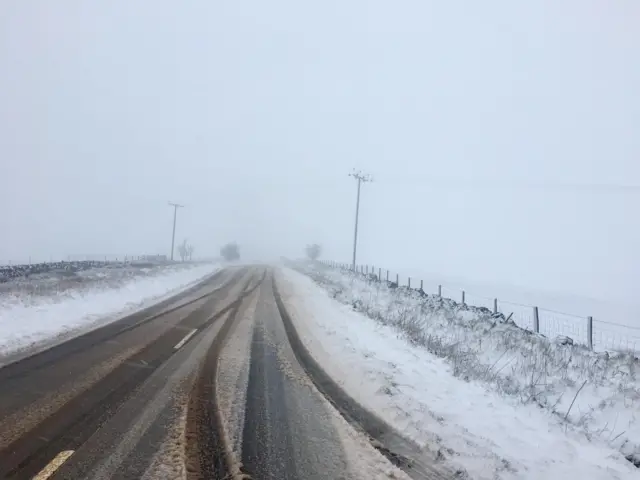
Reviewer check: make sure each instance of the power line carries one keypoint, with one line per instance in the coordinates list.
(506, 183)
(175, 215)
(361, 178)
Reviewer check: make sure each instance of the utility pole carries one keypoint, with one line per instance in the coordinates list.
(173, 236)
(361, 178)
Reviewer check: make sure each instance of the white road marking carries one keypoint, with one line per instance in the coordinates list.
(53, 465)
(185, 339)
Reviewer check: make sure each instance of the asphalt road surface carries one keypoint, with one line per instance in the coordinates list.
(210, 384)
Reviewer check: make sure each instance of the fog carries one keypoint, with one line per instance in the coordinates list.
(502, 137)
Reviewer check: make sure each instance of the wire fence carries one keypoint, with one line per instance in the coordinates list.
(593, 332)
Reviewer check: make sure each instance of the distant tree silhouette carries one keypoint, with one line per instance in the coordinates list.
(230, 252)
(313, 251)
(185, 250)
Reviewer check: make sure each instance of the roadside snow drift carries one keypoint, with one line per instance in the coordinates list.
(29, 320)
(491, 399)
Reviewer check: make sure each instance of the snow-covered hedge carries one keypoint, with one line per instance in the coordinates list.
(597, 393)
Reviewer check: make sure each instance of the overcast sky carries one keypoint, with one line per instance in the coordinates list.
(503, 136)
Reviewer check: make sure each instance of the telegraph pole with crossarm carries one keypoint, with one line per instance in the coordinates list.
(361, 178)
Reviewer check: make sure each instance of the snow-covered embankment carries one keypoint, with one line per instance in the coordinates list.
(493, 399)
(27, 321)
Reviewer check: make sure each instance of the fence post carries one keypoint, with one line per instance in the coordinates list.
(397, 280)
(463, 302)
(422, 285)
(379, 274)
(387, 275)
(590, 332)
(440, 290)
(409, 282)
(495, 305)
(536, 320)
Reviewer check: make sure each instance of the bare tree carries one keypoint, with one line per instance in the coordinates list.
(184, 250)
(190, 249)
(313, 251)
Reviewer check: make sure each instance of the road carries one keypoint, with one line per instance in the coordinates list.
(203, 385)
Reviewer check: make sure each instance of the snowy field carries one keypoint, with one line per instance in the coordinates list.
(492, 399)
(37, 310)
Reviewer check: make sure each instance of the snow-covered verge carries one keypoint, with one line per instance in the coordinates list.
(29, 320)
(57, 278)
(491, 398)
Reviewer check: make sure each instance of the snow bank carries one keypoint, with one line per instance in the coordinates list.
(28, 320)
(490, 397)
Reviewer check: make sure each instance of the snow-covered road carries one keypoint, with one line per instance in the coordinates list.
(475, 429)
